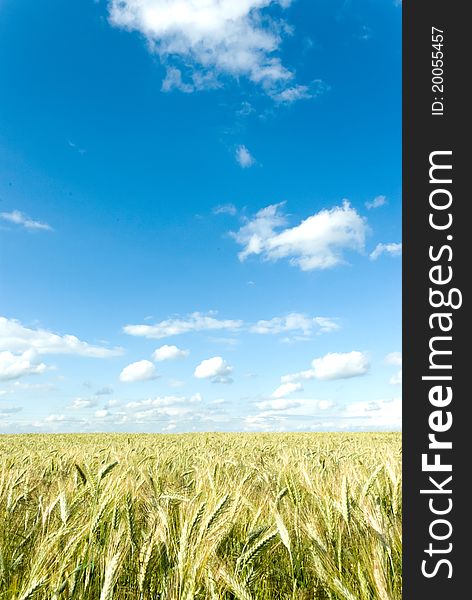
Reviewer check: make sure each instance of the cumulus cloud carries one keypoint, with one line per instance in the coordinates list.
(286, 388)
(392, 249)
(377, 202)
(340, 365)
(333, 366)
(243, 157)
(216, 369)
(142, 370)
(16, 365)
(194, 322)
(209, 39)
(295, 322)
(16, 338)
(318, 242)
(79, 403)
(168, 353)
(18, 218)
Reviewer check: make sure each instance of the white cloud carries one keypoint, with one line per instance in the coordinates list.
(379, 414)
(142, 370)
(286, 388)
(393, 249)
(340, 365)
(208, 38)
(299, 376)
(325, 404)
(14, 366)
(79, 403)
(16, 338)
(225, 209)
(298, 407)
(255, 233)
(291, 323)
(163, 407)
(168, 353)
(113, 402)
(19, 218)
(332, 366)
(277, 404)
(163, 401)
(295, 322)
(291, 94)
(161, 413)
(245, 109)
(282, 414)
(173, 81)
(243, 157)
(171, 411)
(300, 92)
(377, 202)
(216, 369)
(55, 418)
(81, 151)
(101, 413)
(199, 81)
(318, 242)
(394, 358)
(194, 322)
(326, 324)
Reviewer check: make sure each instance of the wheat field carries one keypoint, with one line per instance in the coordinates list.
(200, 516)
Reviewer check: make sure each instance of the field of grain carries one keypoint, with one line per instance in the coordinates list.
(200, 516)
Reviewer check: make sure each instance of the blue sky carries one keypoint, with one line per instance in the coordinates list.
(200, 215)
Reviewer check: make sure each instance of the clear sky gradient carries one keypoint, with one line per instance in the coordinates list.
(200, 215)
